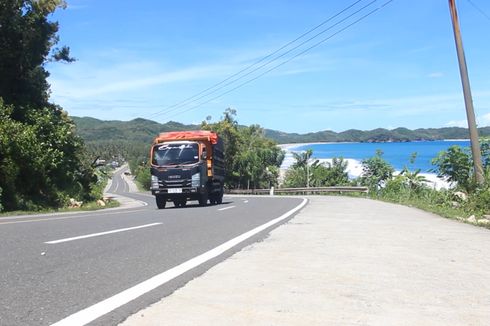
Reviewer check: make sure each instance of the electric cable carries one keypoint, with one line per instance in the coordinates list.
(196, 97)
(286, 61)
(479, 9)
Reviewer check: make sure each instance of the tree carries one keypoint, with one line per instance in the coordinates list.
(26, 40)
(42, 161)
(302, 158)
(251, 159)
(376, 171)
(456, 165)
(316, 174)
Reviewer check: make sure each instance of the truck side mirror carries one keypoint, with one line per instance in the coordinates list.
(204, 156)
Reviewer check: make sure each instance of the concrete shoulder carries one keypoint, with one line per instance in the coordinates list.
(343, 261)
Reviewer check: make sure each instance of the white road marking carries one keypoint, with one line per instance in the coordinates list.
(225, 208)
(101, 233)
(91, 313)
(245, 201)
(71, 216)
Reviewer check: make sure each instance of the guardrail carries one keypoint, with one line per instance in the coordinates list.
(294, 191)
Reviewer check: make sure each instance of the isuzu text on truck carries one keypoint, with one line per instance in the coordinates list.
(187, 165)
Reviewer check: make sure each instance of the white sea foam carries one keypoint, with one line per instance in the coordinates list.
(354, 168)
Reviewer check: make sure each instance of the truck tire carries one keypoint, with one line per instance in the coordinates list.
(219, 199)
(219, 196)
(161, 201)
(203, 199)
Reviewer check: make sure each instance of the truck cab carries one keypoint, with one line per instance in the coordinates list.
(187, 166)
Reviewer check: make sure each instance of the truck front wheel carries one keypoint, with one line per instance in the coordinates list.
(161, 201)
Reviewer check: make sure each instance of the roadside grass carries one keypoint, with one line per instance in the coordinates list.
(141, 186)
(432, 201)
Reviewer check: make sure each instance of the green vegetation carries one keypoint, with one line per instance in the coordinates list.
(42, 160)
(374, 136)
(409, 188)
(252, 160)
(303, 174)
(143, 131)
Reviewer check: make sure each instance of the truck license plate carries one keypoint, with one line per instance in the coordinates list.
(175, 191)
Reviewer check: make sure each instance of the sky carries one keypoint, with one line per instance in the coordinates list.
(153, 59)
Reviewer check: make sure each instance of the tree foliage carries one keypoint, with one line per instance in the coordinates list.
(315, 174)
(376, 171)
(252, 161)
(42, 161)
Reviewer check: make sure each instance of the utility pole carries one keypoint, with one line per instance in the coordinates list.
(468, 100)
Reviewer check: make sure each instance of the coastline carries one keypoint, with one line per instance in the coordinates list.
(354, 166)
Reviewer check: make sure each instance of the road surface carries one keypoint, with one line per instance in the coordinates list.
(54, 266)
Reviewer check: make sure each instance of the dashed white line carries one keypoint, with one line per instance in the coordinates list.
(91, 313)
(225, 208)
(245, 201)
(101, 233)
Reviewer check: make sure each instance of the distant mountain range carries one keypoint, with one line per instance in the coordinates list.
(142, 130)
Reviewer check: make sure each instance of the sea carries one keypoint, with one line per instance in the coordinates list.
(397, 154)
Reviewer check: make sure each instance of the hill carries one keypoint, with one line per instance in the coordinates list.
(143, 131)
(137, 130)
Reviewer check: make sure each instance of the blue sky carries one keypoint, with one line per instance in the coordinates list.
(398, 67)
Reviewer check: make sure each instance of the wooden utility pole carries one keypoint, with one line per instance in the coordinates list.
(468, 100)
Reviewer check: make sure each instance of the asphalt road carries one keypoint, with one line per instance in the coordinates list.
(53, 266)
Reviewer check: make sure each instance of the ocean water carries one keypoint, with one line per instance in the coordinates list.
(397, 154)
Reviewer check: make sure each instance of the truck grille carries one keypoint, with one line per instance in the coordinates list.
(182, 183)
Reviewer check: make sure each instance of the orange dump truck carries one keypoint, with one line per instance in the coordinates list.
(187, 165)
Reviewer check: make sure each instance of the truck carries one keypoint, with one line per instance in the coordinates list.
(187, 165)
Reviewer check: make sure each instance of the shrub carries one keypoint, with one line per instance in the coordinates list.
(376, 171)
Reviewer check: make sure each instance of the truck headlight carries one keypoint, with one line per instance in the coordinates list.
(154, 182)
(196, 180)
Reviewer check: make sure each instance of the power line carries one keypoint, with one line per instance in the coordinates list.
(479, 9)
(288, 60)
(197, 96)
(278, 57)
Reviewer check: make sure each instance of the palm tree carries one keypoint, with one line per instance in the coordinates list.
(302, 158)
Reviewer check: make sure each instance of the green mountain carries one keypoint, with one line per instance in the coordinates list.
(137, 130)
(143, 131)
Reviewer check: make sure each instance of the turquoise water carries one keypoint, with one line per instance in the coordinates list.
(397, 154)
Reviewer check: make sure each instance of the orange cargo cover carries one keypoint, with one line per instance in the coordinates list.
(197, 135)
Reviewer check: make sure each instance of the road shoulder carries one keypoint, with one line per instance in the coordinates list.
(343, 261)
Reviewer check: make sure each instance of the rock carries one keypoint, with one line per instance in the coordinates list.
(74, 203)
(483, 221)
(455, 204)
(487, 217)
(461, 195)
(100, 202)
(472, 219)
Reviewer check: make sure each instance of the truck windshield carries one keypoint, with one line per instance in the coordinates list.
(175, 154)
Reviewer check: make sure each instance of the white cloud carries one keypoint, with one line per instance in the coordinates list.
(484, 120)
(457, 123)
(435, 75)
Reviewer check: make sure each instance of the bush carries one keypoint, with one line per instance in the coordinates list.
(143, 177)
(376, 171)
